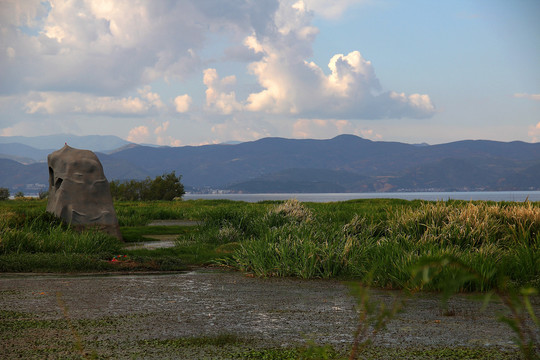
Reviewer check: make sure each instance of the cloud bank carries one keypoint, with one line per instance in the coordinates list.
(104, 58)
(535, 97)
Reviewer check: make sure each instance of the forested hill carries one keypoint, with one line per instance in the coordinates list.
(345, 163)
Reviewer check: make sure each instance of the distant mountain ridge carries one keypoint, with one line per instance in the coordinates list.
(346, 163)
(385, 166)
(101, 143)
(35, 149)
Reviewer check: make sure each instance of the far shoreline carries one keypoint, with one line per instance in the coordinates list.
(513, 196)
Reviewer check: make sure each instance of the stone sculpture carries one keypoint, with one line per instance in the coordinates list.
(79, 192)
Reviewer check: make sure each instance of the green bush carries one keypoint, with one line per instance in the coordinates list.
(4, 194)
(165, 187)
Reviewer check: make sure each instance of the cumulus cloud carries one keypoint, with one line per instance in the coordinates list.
(72, 102)
(330, 9)
(153, 99)
(292, 85)
(182, 103)
(219, 94)
(535, 97)
(139, 134)
(534, 132)
(99, 58)
(240, 129)
(159, 135)
(162, 137)
(102, 46)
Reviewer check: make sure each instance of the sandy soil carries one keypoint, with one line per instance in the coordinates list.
(273, 312)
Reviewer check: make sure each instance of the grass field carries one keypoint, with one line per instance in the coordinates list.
(380, 239)
(392, 244)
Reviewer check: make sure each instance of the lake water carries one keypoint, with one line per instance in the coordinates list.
(433, 196)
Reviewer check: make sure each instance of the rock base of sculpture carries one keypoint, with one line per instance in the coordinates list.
(79, 192)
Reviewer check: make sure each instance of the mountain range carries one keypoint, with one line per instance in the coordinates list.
(346, 163)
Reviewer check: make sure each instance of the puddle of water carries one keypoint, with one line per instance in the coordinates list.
(152, 245)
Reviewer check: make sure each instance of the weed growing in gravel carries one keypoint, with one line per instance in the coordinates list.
(521, 317)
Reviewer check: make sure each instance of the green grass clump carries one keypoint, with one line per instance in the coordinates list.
(34, 240)
(311, 241)
(383, 239)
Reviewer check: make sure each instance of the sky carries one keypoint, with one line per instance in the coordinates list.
(194, 72)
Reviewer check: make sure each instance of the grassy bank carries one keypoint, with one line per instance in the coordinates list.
(379, 239)
(395, 244)
(383, 240)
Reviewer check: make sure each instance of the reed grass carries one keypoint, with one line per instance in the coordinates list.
(351, 239)
(496, 240)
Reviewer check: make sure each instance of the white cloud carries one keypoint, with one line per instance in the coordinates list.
(219, 96)
(182, 103)
(10, 53)
(535, 97)
(350, 91)
(96, 59)
(159, 136)
(324, 129)
(162, 137)
(292, 85)
(534, 132)
(153, 99)
(65, 103)
(139, 134)
(21, 13)
(43, 126)
(239, 129)
(330, 9)
(102, 46)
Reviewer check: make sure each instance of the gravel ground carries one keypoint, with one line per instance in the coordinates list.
(133, 316)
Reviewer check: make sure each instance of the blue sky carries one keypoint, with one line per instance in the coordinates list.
(207, 71)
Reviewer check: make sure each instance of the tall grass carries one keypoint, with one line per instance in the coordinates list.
(34, 240)
(291, 239)
(380, 238)
(45, 233)
(138, 213)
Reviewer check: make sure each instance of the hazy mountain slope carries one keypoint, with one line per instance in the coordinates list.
(345, 163)
(17, 150)
(102, 143)
(528, 178)
(392, 165)
(219, 165)
(448, 174)
(305, 181)
(15, 174)
(115, 169)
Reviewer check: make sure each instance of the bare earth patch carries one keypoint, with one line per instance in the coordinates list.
(151, 315)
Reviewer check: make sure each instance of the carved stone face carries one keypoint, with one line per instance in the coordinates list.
(79, 191)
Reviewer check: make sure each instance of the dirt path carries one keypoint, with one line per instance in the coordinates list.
(131, 315)
(162, 241)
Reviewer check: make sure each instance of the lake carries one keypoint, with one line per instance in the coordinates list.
(328, 197)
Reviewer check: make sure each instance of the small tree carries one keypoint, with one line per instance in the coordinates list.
(164, 187)
(43, 194)
(19, 194)
(4, 193)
